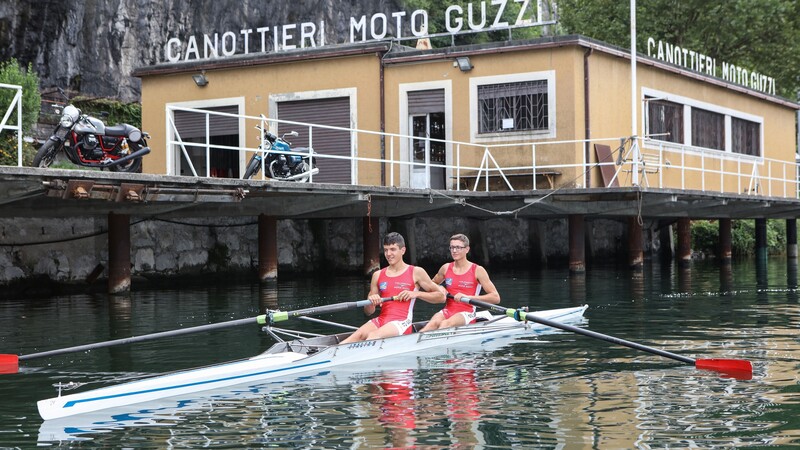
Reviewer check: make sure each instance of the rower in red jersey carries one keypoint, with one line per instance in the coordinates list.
(461, 278)
(401, 281)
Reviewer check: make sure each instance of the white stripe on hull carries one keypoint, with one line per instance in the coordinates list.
(285, 364)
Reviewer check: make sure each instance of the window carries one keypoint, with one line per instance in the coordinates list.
(665, 120)
(708, 129)
(508, 107)
(745, 137)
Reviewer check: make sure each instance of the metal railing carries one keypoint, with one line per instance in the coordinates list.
(16, 103)
(486, 167)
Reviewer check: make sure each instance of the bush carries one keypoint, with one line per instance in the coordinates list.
(12, 73)
(705, 237)
(118, 112)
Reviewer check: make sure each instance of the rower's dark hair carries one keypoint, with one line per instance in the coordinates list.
(394, 238)
(460, 237)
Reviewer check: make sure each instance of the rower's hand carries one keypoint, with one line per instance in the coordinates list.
(458, 296)
(405, 296)
(375, 299)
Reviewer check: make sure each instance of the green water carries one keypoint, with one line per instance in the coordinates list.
(558, 391)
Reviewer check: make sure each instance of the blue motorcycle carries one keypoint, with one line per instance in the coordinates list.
(280, 160)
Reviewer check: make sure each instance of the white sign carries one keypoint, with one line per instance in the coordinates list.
(698, 62)
(482, 16)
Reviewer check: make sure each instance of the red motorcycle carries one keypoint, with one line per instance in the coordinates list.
(88, 142)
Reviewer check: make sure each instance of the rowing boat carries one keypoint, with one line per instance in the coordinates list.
(296, 356)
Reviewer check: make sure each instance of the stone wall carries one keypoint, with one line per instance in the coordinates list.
(74, 250)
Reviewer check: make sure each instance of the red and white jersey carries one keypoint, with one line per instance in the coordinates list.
(391, 286)
(466, 283)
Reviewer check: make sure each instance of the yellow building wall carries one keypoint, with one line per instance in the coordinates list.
(567, 63)
(610, 107)
(609, 114)
(255, 84)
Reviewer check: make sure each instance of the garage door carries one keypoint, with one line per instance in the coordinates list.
(327, 111)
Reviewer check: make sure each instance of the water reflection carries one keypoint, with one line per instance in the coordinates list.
(556, 391)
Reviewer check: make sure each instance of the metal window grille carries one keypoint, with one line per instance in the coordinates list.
(508, 107)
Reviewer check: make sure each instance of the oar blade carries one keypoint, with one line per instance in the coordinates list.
(741, 369)
(9, 364)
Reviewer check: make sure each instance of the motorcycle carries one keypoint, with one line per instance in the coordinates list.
(280, 160)
(88, 142)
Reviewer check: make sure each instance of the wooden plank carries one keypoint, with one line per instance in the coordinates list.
(607, 170)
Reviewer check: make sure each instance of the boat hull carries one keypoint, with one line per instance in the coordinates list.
(292, 358)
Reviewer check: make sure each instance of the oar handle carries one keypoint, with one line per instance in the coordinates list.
(280, 316)
(523, 315)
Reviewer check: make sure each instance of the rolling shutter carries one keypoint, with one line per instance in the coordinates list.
(325, 111)
(424, 102)
(193, 124)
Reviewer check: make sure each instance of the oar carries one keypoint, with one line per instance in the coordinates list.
(737, 368)
(10, 363)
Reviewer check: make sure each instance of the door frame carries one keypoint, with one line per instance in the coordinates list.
(174, 155)
(405, 119)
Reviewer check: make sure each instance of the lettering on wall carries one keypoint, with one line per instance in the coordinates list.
(699, 62)
(475, 17)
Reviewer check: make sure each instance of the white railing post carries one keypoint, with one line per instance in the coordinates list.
(208, 145)
(17, 100)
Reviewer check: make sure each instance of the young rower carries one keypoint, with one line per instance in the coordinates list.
(461, 278)
(399, 280)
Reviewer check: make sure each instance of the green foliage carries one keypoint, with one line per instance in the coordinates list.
(705, 237)
(8, 150)
(436, 16)
(118, 112)
(757, 35)
(12, 73)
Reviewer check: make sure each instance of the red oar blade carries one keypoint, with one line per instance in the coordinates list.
(741, 369)
(9, 364)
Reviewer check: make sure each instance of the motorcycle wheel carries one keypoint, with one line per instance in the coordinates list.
(132, 166)
(252, 168)
(46, 154)
(302, 168)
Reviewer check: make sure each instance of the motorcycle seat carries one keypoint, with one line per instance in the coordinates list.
(124, 130)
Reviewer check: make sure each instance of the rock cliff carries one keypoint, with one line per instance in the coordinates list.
(92, 46)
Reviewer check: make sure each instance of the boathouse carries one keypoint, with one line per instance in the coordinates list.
(543, 113)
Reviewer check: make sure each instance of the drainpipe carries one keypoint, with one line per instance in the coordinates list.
(586, 117)
(382, 119)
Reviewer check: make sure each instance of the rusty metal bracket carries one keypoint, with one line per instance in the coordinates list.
(79, 189)
(130, 192)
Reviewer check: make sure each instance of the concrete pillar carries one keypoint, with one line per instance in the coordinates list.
(725, 241)
(577, 246)
(635, 245)
(761, 239)
(684, 241)
(791, 238)
(479, 246)
(537, 243)
(119, 253)
(372, 245)
(666, 242)
(267, 248)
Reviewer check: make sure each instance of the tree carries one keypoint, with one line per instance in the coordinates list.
(12, 73)
(759, 35)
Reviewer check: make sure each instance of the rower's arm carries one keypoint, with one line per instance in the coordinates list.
(373, 293)
(490, 294)
(432, 292)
